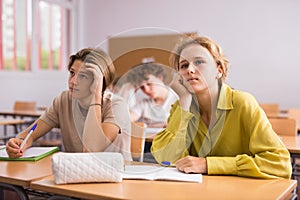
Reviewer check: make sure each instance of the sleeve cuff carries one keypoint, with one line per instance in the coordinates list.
(221, 165)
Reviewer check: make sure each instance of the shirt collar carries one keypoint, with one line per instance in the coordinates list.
(225, 98)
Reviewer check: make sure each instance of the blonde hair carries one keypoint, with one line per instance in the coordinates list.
(98, 57)
(213, 48)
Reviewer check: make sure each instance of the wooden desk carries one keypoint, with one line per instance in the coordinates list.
(292, 143)
(19, 115)
(21, 173)
(212, 187)
(17, 175)
(37, 176)
(11, 121)
(14, 114)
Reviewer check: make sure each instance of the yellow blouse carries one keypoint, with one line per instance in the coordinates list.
(241, 142)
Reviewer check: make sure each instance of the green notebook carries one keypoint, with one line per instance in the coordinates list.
(30, 154)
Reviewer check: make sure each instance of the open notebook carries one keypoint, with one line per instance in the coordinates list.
(151, 172)
(30, 154)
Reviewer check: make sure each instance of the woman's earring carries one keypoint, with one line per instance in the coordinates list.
(219, 75)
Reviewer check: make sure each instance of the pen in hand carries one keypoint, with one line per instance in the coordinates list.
(28, 135)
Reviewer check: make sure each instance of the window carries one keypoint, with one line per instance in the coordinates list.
(35, 34)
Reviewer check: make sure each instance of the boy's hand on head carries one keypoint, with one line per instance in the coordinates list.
(97, 84)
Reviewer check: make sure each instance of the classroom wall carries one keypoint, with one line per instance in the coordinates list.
(260, 38)
(41, 87)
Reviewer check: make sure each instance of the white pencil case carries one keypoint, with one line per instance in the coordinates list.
(87, 167)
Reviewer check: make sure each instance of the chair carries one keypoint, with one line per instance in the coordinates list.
(21, 106)
(137, 141)
(295, 114)
(24, 106)
(271, 109)
(284, 126)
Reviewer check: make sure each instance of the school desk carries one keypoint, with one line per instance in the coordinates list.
(212, 187)
(19, 174)
(9, 122)
(292, 143)
(38, 176)
(23, 172)
(21, 114)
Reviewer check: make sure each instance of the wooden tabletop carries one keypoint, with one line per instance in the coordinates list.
(21, 173)
(11, 121)
(38, 176)
(292, 143)
(21, 113)
(212, 187)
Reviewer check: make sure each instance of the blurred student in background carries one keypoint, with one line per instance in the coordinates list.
(89, 118)
(154, 108)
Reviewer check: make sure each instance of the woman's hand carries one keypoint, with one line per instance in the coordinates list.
(13, 148)
(183, 90)
(96, 87)
(191, 164)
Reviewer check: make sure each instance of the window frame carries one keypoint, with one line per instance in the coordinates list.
(69, 30)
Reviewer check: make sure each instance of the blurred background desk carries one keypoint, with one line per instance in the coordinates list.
(18, 119)
(151, 132)
(9, 122)
(21, 113)
(292, 143)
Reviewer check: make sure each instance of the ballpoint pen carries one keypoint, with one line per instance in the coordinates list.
(28, 135)
(167, 164)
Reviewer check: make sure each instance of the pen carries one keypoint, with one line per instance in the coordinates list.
(167, 164)
(28, 135)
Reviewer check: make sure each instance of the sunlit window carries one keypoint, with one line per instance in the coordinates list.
(26, 25)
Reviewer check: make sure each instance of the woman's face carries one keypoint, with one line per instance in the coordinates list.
(80, 80)
(198, 67)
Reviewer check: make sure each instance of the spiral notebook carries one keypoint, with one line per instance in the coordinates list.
(30, 154)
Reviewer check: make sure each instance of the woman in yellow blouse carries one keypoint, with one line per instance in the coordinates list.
(213, 128)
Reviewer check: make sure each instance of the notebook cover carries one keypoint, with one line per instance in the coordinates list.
(34, 158)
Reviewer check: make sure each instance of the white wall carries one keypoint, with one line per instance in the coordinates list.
(41, 87)
(260, 38)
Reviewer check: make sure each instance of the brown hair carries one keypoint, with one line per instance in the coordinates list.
(213, 48)
(98, 57)
(140, 72)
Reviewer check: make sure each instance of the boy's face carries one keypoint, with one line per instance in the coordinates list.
(152, 86)
(80, 80)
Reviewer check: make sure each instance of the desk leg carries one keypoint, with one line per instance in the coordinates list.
(18, 189)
